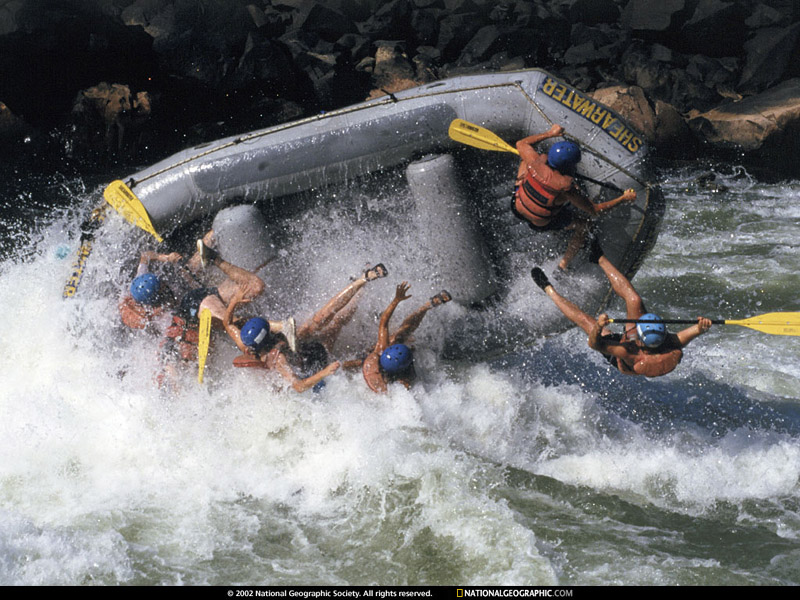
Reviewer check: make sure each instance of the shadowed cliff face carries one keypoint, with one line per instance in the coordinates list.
(208, 68)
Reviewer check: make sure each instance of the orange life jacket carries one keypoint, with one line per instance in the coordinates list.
(248, 360)
(135, 315)
(186, 337)
(537, 200)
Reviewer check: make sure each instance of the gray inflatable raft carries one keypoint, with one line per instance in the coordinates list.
(408, 131)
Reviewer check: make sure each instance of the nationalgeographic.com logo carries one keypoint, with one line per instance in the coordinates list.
(514, 593)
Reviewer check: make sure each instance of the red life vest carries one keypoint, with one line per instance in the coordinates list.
(248, 360)
(537, 200)
(135, 315)
(186, 337)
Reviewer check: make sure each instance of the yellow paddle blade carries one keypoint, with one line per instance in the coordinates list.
(125, 202)
(202, 344)
(778, 323)
(477, 136)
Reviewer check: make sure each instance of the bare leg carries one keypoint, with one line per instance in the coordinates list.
(570, 310)
(239, 280)
(576, 242)
(324, 316)
(327, 313)
(329, 332)
(412, 322)
(623, 288)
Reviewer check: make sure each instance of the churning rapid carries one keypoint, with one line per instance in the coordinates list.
(542, 466)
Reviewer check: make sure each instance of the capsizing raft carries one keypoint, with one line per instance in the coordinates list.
(459, 194)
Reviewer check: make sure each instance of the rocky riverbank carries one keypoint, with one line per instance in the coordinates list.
(135, 80)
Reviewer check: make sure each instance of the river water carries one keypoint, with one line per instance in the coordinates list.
(538, 468)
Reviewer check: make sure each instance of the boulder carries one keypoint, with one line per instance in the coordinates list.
(715, 29)
(655, 15)
(766, 16)
(767, 55)
(753, 121)
(593, 12)
(264, 63)
(391, 21)
(454, 33)
(9, 16)
(673, 137)
(393, 70)
(487, 41)
(425, 23)
(326, 22)
(107, 117)
(11, 126)
(661, 124)
(765, 127)
(631, 104)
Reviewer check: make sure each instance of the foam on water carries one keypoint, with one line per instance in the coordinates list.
(546, 468)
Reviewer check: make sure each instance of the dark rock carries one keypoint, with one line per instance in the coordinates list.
(673, 137)
(487, 41)
(425, 23)
(593, 12)
(717, 74)
(653, 76)
(356, 45)
(9, 16)
(427, 63)
(454, 33)
(455, 7)
(329, 24)
(766, 16)
(768, 55)
(270, 22)
(715, 29)
(264, 64)
(49, 58)
(391, 21)
(655, 15)
(12, 128)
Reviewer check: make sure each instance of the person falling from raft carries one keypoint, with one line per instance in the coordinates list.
(644, 348)
(545, 187)
(392, 359)
(151, 301)
(308, 366)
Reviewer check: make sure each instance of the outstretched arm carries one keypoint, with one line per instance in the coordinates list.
(277, 360)
(690, 333)
(148, 256)
(590, 207)
(525, 145)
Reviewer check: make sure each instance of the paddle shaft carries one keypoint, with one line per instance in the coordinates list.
(777, 323)
(670, 321)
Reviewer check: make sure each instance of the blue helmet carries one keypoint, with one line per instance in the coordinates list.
(255, 333)
(651, 334)
(563, 156)
(144, 288)
(396, 359)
